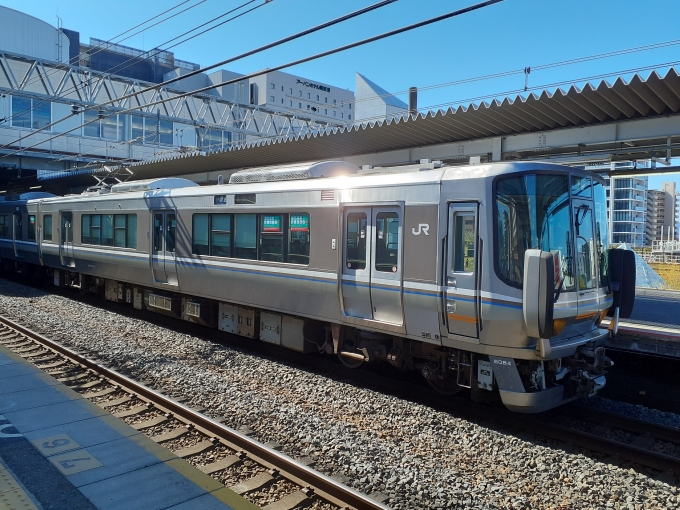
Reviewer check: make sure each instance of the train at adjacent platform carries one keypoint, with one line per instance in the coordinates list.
(492, 277)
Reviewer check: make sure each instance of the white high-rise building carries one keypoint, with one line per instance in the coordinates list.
(628, 209)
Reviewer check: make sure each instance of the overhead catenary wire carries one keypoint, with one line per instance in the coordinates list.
(540, 67)
(101, 47)
(317, 56)
(279, 42)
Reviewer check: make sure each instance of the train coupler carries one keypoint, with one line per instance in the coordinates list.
(588, 384)
(590, 360)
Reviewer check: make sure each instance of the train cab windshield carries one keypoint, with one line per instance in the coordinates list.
(554, 212)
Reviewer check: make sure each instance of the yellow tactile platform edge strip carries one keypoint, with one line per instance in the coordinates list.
(12, 496)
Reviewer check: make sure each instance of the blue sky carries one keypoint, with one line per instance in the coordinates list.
(511, 35)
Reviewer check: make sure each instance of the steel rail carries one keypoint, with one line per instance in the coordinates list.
(322, 485)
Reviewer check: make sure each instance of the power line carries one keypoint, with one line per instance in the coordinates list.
(504, 74)
(298, 35)
(317, 56)
(101, 48)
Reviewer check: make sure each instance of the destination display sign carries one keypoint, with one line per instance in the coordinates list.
(299, 223)
(271, 223)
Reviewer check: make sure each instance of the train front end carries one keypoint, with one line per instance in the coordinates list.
(550, 237)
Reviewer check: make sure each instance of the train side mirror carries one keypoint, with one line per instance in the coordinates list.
(538, 296)
(622, 282)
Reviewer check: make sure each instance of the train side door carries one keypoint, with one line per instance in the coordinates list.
(163, 254)
(18, 234)
(386, 268)
(462, 288)
(372, 269)
(66, 238)
(585, 244)
(356, 270)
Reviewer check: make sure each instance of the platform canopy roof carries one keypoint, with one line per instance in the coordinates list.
(638, 97)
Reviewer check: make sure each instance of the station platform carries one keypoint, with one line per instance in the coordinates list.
(59, 451)
(646, 337)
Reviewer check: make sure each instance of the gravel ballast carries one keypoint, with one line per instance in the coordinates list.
(414, 455)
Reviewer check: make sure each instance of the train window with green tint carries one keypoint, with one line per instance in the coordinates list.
(199, 241)
(131, 232)
(298, 239)
(220, 235)
(387, 242)
(107, 229)
(119, 227)
(95, 228)
(271, 237)
(47, 227)
(245, 236)
(85, 227)
(464, 243)
(356, 241)
(31, 226)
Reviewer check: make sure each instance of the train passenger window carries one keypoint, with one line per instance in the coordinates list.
(387, 242)
(85, 227)
(464, 243)
(107, 229)
(220, 235)
(157, 232)
(245, 236)
(356, 241)
(271, 237)
(47, 227)
(4, 225)
(171, 228)
(298, 239)
(131, 232)
(96, 229)
(119, 230)
(199, 243)
(31, 226)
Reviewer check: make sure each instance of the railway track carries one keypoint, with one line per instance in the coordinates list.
(257, 472)
(623, 438)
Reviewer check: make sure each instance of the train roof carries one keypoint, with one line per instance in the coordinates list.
(417, 174)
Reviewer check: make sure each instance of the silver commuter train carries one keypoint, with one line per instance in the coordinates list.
(492, 277)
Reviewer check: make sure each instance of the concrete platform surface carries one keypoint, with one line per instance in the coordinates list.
(60, 451)
(646, 337)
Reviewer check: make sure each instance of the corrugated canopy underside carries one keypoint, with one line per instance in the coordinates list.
(576, 106)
